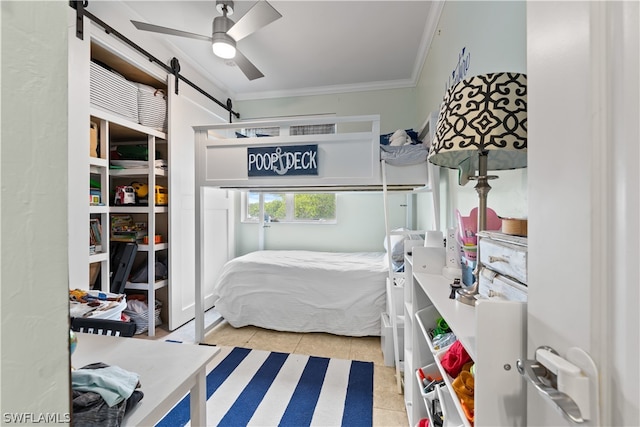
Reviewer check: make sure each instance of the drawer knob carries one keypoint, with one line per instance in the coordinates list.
(498, 259)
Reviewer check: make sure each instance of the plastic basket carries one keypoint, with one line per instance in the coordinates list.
(141, 319)
(112, 92)
(152, 107)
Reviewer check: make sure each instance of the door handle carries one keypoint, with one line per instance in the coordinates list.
(570, 384)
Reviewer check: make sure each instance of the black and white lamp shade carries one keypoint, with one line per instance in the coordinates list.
(484, 113)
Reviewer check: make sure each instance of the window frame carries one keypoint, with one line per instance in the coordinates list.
(289, 200)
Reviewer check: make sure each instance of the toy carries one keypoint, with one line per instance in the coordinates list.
(142, 190)
(125, 195)
(161, 195)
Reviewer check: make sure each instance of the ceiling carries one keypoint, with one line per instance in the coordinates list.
(317, 47)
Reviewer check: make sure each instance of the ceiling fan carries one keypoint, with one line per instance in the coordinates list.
(226, 33)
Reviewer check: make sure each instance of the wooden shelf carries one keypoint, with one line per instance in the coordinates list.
(145, 286)
(122, 128)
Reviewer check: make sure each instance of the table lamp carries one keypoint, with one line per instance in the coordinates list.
(482, 125)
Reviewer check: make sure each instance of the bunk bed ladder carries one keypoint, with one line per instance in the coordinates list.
(391, 280)
(396, 278)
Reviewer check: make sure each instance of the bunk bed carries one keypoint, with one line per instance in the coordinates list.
(272, 155)
(304, 291)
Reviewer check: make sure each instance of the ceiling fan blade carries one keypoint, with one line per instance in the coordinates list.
(170, 31)
(246, 66)
(260, 14)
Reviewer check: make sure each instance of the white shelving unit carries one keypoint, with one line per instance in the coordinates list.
(118, 131)
(112, 129)
(492, 333)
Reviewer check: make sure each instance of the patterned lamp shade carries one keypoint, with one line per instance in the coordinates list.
(486, 113)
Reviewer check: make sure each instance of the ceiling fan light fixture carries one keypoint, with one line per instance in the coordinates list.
(223, 46)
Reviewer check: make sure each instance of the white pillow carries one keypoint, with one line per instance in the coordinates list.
(399, 137)
(397, 244)
(398, 133)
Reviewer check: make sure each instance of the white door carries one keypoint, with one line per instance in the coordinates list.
(187, 109)
(583, 181)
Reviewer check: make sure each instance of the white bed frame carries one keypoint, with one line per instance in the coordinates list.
(347, 160)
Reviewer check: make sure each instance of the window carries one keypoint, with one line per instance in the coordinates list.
(291, 207)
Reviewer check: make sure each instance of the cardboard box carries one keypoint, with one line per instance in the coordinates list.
(94, 270)
(94, 148)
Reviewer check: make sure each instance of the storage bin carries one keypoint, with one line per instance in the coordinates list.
(114, 312)
(386, 340)
(152, 107)
(141, 318)
(112, 92)
(429, 371)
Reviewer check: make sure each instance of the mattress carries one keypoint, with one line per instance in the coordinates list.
(304, 291)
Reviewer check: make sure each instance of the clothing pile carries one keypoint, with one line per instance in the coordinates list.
(103, 394)
(458, 364)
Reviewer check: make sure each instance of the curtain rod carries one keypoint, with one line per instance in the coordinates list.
(80, 7)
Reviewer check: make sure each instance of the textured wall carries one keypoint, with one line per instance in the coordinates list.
(35, 326)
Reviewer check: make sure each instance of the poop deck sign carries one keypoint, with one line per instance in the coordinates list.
(283, 161)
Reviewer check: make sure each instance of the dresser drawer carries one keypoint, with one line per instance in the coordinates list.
(505, 258)
(494, 285)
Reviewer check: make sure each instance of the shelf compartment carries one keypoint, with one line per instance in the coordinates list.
(145, 286)
(430, 396)
(450, 414)
(452, 417)
(460, 317)
(98, 257)
(132, 209)
(157, 247)
(454, 405)
(425, 318)
(124, 122)
(430, 370)
(97, 165)
(98, 209)
(136, 172)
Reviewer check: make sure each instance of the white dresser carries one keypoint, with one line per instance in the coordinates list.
(503, 266)
(493, 333)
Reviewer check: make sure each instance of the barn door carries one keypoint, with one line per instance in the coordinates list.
(186, 110)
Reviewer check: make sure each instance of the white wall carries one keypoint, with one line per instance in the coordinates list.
(396, 107)
(493, 35)
(33, 249)
(360, 227)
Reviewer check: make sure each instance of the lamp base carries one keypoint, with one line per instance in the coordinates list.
(466, 297)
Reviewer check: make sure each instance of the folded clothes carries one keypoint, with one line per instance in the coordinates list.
(113, 383)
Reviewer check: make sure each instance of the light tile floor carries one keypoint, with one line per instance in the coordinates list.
(388, 404)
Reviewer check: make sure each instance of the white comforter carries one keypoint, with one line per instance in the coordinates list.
(304, 291)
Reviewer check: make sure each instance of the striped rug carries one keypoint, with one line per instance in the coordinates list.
(262, 388)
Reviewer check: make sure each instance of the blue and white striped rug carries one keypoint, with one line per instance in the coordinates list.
(261, 388)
